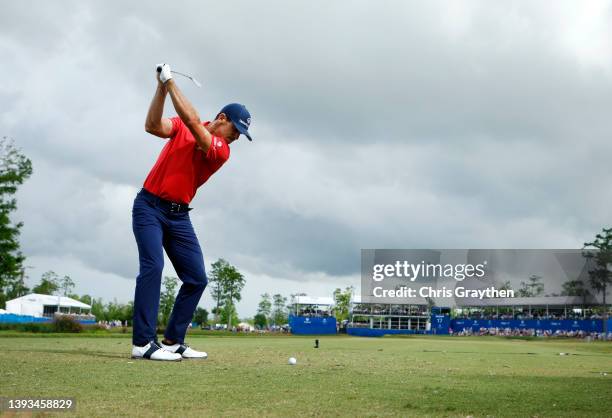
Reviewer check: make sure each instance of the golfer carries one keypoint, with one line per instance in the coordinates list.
(160, 216)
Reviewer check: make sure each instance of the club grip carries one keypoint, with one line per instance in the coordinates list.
(159, 68)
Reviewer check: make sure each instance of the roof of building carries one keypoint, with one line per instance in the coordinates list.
(532, 301)
(307, 300)
(51, 300)
(475, 302)
(370, 300)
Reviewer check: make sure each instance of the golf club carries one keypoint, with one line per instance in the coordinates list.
(196, 82)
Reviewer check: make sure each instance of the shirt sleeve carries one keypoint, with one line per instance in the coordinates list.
(218, 151)
(177, 124)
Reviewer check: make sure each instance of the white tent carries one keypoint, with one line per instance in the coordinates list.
(244, 326)
(38, 305)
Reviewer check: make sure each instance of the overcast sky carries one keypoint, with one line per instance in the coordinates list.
(381, 124)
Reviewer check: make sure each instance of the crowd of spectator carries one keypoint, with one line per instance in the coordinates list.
(400, 310)
(523, 315)
(311, 312)
(530, 332)
(112, 324)
(75, 316)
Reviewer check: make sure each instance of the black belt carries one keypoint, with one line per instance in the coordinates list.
(173, 207)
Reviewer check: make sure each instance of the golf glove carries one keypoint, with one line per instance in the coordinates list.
(164, 72)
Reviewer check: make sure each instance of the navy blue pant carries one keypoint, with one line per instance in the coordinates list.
(155, 227)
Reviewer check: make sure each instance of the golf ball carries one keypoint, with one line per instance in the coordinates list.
(292, 361)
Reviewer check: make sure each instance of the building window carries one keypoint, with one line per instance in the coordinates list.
(49, 310)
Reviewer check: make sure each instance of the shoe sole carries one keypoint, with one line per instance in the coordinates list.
(153, 359)
(185, 358)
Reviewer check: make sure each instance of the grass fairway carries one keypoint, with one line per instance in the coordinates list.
(347, 376)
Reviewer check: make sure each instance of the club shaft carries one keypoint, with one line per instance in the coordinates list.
(197, 83)
(184, 75)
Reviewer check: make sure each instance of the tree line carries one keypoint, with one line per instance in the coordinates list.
(52, 284)
(273, 310)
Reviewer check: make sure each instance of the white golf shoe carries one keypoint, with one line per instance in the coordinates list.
(185, 351)
(153, 351)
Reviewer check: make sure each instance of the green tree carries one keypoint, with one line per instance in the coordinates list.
(232, 283)
(226, 284)
(167, 298)
(260, 321)
(49, 283)
(66, 284)
(279, 314)
(17, 287)
(600, 250)
(532, 288)
(229, 315)
(216, 287)
(97, 309)
(85, 299)
(217, 314)
(343, 303)
(265, 308)
(15, 168)
(113, 311)
(575, 288)
(127, 312)
(200, 316)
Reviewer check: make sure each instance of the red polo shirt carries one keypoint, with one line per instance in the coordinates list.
(182, 167)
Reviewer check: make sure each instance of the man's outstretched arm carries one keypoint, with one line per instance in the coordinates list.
(155, 124)
(189, 116)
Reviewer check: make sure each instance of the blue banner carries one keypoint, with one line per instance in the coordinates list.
(440, 324)
(21, 319)
(312, 325)
(587, 325)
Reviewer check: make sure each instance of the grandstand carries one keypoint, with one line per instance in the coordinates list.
(548, 307)
(312, 307)
(312, 316)
(549, 315)
(524, 316)
(375, 319)
(389, 316)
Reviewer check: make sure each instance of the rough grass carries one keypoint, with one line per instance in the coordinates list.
(347, 376)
